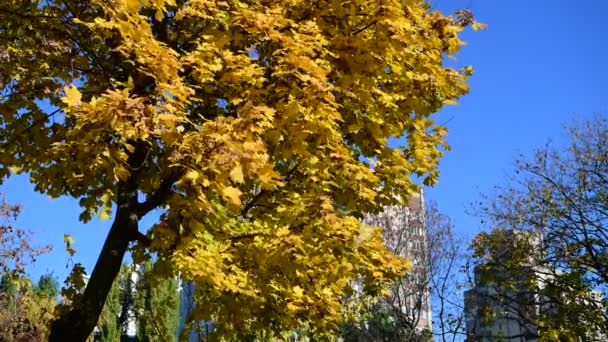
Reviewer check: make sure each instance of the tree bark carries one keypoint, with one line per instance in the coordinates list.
(78, 324)
(80, 321)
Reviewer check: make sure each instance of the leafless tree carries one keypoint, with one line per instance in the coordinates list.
(448, 261)
(427, 298)
(17, 249)
(558, 198)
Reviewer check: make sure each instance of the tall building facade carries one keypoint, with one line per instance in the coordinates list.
(186, 305)
(496, 311)
(405, 234)
(489, 311)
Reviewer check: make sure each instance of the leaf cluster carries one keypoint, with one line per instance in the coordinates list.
(260, 129)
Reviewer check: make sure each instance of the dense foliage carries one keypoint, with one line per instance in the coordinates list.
(142, 305)
(260, 130)
(156, 306)
(25, 310)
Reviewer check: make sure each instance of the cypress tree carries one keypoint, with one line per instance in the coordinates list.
(157, 302)
(111, 320)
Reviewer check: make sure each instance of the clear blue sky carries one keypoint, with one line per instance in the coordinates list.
(538, 64)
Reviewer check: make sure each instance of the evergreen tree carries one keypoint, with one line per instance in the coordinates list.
(8, 293)
(47, 286)
(153, 303)
(157, 303)
(111, 320)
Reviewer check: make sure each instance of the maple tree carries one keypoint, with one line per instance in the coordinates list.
(259, 129)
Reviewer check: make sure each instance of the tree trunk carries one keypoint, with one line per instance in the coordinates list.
(79, 322)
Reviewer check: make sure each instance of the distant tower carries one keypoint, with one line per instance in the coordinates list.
(187, 304)
(512, 319)
(404, 232)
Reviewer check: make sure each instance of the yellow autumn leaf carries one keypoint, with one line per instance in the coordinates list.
(232, 194)
(298, 291)
(68, 239)
(478, 26)
(15, 169)
(192, 175)
(442, 131)
(419, 154)
(236, 174)
(159, 15)
(72, 96)
(69, 243)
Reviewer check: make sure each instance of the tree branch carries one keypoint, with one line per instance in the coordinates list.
(141, 238)
(159, 196)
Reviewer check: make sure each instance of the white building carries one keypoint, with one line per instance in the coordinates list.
(495, 312)
(405, 234)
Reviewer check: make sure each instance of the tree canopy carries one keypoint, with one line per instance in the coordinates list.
(48, 286)
(550, 245)
(259, 129)
(25, 311)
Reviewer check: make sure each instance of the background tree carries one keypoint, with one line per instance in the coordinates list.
(447, 265)
(8, 291)
(377, 322)
(25, 312)
(397, 316)
(425, 235)
(118, 308)
(557, 201)
(139, 299)
(14, 323)
(157, 306)
(48, 286)
(16, 244)
(249, 124)
(108, 327)
(39, 303)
